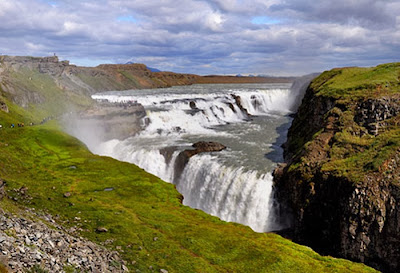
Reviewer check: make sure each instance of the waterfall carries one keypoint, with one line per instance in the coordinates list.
(236, 184)
(212, 187)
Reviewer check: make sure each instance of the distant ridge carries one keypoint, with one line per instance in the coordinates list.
(148, 67)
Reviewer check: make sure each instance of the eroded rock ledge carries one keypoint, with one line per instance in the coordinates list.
(184, 156)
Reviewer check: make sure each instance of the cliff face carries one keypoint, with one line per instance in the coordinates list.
(342, 177)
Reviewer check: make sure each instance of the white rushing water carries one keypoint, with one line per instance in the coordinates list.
(234, 184)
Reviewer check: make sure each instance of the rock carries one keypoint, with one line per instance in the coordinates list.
(372, 113)
(168, 152)
(101, 229)
(67, 194)
(107, 120)
(192, 105)
(33, 243)
(23, 190)
(163, 271)
(2, 189)
(200, 147)
(238, 102)
(3, 106)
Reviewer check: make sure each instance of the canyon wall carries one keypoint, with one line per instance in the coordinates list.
(341, 180)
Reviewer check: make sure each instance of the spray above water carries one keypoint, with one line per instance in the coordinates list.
(234, 184)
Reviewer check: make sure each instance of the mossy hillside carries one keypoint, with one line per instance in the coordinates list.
(40, 95)
(354, 83)
(352, 152)
(143, 215)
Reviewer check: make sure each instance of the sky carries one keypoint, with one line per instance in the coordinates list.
(269, 37)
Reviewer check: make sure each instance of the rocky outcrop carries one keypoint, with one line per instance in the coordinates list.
(199, 147)
(238, 101)
(105, 121)
(340, 184)
(33, 245)
(373, 113)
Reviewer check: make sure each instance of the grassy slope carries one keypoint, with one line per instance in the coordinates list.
(353, 154)
(55, 101)
(140, 208)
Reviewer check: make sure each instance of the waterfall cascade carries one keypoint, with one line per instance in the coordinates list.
(234, 184)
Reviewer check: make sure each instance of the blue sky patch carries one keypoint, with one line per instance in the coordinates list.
(128, 18)
(264, 20)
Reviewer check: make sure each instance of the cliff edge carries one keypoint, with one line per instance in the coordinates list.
(341, 180)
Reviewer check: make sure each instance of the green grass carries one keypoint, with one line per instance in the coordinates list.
(51, 98)
(355, 83)
(352, 152)
(140, 208)
(354, 156)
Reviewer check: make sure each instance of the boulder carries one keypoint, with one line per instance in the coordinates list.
(200, 147)
(101, 230)
(3, 106)
(67, 194)
(192, 105)
(2, 189)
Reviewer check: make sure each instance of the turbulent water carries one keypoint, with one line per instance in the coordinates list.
(234, 184)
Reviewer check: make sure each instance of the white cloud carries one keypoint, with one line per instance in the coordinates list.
(207, 36)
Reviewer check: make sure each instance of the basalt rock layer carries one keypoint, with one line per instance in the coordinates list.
(341, 180)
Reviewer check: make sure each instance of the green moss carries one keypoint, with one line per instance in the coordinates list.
(143, 214)
(355, 82)
(352, 152)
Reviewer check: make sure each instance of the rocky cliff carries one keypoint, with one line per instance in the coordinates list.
(341, 180)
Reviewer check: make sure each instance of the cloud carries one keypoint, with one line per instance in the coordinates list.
(206, 36)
